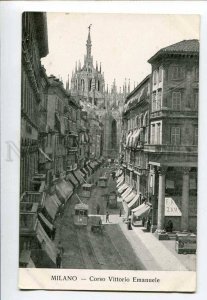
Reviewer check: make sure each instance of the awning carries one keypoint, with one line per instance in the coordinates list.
(128, 136)
(89, 169)
(122, 188)
(136, 137)
(145, 121)
(25, 256)
(72, 179)
(45, 220)
(126, 193)
(64, 190)
(91, 165)
(142, 210)
(51, 205)
(129, 197)
(44, 157)
(79, 176)
(131, 141)
(120, 182)
(85, 171)
(45, 242)
(82, 174)
(133, 202)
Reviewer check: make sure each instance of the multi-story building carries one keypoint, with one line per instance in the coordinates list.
(173, 144)
(135, 135)
(33, 100)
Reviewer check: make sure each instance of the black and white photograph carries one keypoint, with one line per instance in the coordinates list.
(109, 149)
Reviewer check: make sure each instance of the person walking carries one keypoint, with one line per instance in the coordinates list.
(107, 217)
(120, 212)
(98, 209)
(58, 261)
(60, 248)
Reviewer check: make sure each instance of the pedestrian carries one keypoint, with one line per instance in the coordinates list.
(58, 261)
(148, 225)
(120, 212)
(98, 209)
(143, 221)
(60, 248)
(107, 216)
(53, 233)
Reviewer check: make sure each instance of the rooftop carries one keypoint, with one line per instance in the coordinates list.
(183, 47)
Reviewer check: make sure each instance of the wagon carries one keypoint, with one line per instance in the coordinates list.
(96, 224)
(185, 243)
(102, 181)
(112, 200)
(86, 190)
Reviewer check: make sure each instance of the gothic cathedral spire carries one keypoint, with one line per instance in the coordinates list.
(88, 43)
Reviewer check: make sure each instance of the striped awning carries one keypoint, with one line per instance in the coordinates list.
(122, 188)
(133, 202)
(79, 176)
(64, 190)
(130, 196)
(51, 205)
(72, 179)
(45, 220)
(126, 193)
(142, 210)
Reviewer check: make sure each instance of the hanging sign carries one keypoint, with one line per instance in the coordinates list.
(171, 208)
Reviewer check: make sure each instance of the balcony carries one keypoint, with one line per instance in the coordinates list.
(171, 149)
(28, 217)
(168, 113)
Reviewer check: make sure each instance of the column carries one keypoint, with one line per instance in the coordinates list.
(161, 198)
(185, 199)
(130, 178)
(138, 184)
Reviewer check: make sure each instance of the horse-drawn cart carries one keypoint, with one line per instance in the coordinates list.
(96, 224)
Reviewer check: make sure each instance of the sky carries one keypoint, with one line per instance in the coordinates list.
(121, 42)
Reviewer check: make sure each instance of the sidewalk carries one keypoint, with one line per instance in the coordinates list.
(153, 253)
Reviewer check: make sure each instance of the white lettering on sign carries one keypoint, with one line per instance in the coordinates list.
(171, 208)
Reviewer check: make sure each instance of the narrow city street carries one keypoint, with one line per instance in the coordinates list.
(84, 249)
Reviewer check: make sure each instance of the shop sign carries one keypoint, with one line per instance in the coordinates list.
(171, 208)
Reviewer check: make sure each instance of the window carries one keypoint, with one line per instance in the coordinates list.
(175, 135)
(176, 100)
(152, 134)
(160, 74)
(158, 133)
(159, 100)
(153, 101)
(177, 72)
(195, 100)
(196, 136)
(155, 77)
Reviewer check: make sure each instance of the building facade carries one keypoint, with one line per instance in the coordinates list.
(135, 137)
(34, 95)
(173, 144)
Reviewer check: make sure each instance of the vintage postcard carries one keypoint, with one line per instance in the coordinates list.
(109, 151)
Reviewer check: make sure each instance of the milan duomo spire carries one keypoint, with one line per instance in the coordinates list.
(88, 43)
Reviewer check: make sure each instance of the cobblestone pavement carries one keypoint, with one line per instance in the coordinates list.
(84, 249)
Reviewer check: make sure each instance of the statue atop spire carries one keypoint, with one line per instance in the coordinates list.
(88, 43)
